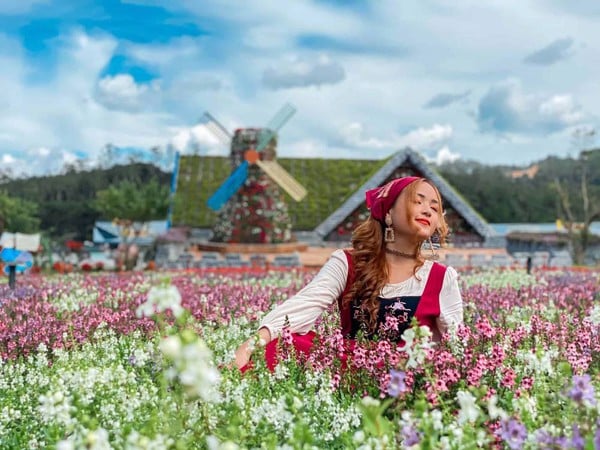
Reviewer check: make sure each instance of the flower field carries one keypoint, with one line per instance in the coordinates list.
(132, 361)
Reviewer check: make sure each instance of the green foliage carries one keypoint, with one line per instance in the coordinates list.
(132, 201)
(500, 198)
(66, 202)
(18, 215)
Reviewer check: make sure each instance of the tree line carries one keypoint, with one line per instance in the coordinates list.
(501, 198)
(66, 206)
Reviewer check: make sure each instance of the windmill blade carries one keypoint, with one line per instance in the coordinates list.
(278, 121)
(283, 179)
(229, 187)
(281, 117)
(216, 128)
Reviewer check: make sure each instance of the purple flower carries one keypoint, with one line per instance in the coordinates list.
(582, 389)
(544, 439)
(513, 433)
(577, 442)
(410, 436)
(397, 384)
(597, 436)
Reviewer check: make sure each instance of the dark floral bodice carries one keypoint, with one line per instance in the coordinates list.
(394, 317)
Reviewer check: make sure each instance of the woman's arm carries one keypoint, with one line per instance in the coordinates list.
(307, 305)
(303, 308)
(451, 304)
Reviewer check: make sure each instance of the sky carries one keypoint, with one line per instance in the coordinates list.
(499, 82)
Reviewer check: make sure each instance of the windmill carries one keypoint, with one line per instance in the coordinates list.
(250, 204)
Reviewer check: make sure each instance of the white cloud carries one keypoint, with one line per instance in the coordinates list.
(198, 139)
(121, 92)
(563, 109)
(299, 72)
(8, 159)
(184, 51)
(42, 151)
(47, 121)
(305, 148)
(506, 108)
(422, 138)
(417, 139)
(444, 155)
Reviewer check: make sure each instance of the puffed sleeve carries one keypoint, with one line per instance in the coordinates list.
(307, 305)
(451, 304)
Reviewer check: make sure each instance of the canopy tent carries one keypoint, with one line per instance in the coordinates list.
(109, 233)
(20, 241)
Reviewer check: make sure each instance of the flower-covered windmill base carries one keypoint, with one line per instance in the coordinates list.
(257, 214)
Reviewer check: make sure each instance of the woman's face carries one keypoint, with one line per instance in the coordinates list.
(418, 216)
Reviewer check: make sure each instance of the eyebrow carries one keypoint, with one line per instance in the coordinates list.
(433, 200)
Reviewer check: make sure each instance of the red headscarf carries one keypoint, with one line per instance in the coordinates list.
(381, 199)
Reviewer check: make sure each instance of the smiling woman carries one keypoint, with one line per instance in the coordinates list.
(381, 284)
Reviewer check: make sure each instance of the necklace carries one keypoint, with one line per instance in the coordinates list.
(391, 251)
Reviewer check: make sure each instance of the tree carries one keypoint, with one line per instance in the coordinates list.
(128, 204)
(579, 231)
(134, 202)
(18, 215)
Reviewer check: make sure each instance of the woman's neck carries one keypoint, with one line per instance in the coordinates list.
(400, 253)
(402, 248)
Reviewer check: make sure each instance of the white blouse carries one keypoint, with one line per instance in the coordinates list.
(303, 309)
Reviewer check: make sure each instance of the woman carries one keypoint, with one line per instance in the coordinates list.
(382, 282)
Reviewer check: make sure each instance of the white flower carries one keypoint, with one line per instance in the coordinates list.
(416, 349)
(469, 411)
(161, 298)
(65, 445)
(436, 417)
(494, 411)
(370, 401)
(359, 437)
(594, 317)
(98, 440)
(171, 347)
(192, 365)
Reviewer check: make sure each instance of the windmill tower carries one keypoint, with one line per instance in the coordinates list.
(251, 205)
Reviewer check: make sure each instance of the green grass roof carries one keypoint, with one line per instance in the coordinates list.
(329, 183)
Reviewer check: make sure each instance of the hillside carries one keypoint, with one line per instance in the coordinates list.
(500, 198)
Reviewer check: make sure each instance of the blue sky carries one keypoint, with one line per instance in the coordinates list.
(500, 82)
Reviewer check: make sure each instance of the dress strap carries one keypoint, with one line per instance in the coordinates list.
(435, 280)
(429, 307)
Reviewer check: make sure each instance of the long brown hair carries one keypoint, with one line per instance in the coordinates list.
(371, 271)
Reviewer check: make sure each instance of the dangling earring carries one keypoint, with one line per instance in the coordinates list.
(434, 254)
(389, 231)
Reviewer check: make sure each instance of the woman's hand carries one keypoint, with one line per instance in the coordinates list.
(244, 351)
(242, 354)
